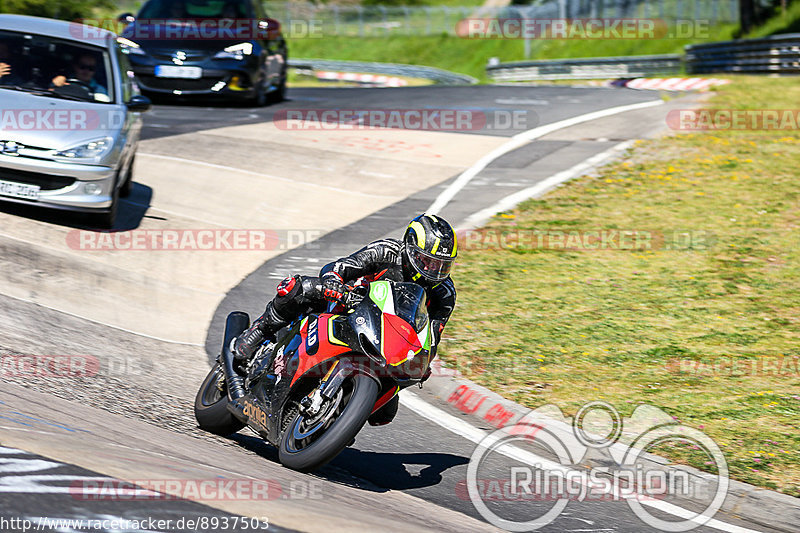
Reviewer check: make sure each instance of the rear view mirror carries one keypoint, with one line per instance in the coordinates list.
(139, 103)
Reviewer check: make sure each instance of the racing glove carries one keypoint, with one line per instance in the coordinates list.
(332, 287)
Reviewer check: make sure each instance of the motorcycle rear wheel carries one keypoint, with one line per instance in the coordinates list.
(211, 405)
(309, 450)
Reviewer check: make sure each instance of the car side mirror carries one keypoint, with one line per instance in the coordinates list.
(126, 18)
(139, 103)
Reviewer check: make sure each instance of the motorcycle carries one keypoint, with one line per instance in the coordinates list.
(310, 392)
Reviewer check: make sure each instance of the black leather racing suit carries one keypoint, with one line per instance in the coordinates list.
(381, 259)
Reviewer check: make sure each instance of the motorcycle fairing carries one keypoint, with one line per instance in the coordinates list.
(374, 332)
(316, 347)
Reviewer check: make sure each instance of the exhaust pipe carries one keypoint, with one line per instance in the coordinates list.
(236, 323)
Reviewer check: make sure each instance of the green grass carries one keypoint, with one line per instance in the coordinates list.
(626, 326)
(470, 56)
(780, 23)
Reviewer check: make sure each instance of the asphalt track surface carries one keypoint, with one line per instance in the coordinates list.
(55, 501)
(412, 455)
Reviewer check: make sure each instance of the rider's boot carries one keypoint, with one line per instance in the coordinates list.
(264, 327)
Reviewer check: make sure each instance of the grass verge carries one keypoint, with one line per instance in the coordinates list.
(708, 331)
(470, 56)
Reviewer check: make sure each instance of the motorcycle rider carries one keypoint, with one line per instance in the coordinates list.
(424, 256)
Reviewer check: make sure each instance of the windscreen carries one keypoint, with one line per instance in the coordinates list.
(39, 62)
(193, 9)
(410, 304)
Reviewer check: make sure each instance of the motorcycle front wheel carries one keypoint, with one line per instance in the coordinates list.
(309, 443)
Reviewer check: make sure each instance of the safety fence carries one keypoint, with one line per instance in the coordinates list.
(778, 54)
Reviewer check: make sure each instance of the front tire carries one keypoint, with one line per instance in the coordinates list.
(279, 94)
(259, 98)
(211, 405)
(127, 185)
(106, 220)
(309, 451)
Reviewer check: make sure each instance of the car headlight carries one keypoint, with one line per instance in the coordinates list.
(89, 152)
(236, 51)
(129, 47)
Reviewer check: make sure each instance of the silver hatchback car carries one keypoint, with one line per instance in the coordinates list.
(70, 116)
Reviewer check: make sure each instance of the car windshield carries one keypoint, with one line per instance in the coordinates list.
(410, 304)
(54, 67)
(194, 9)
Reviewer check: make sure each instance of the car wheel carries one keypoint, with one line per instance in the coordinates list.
(259, 99)
(127, 185)
(279, 94)
(107, 219)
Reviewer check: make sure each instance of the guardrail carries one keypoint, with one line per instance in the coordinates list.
(393, 69)
(586, 68)
(778, 54)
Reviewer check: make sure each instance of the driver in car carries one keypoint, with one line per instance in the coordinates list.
(83, 70)
(424, 256)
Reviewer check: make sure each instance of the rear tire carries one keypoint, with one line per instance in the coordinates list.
(334, 438)
(211, 405)
(211, 401)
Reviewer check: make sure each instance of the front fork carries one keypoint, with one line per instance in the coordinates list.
(328, 388)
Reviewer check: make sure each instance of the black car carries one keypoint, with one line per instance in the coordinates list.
(228, 48)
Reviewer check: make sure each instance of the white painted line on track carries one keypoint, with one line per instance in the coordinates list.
(520, 140)
(477, 219)
(263, 175)
(468, 431)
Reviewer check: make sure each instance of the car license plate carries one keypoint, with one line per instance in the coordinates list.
(19, 190)
(174, 71)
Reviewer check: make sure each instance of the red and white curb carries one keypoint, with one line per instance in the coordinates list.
(369, 79)
(675, 84)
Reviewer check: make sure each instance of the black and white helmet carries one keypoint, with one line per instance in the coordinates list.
(430, 249)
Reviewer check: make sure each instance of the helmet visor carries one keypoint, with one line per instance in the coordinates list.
(431, 267)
